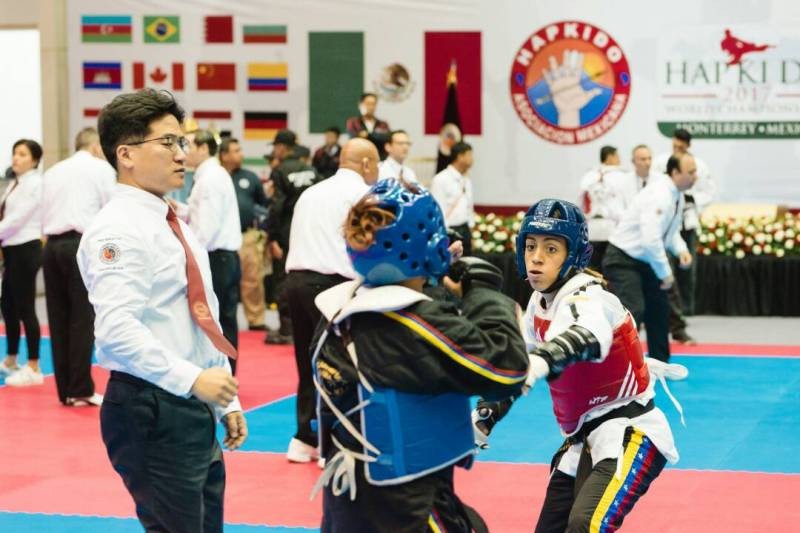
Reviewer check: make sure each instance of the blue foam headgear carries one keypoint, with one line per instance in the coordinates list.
(562, 219)
(414, 244)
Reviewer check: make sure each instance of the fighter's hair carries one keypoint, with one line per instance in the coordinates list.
(363, 221)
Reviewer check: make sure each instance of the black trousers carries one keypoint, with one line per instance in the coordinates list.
(301, 288)
(226, 274)
(165, 450)
(18, 299)
(466, 235)
(278, 281)
(686, 278)
(595, 498)
(70, 316)
(638, 288)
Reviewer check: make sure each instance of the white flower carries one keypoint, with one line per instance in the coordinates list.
(515, 226)
(706, 251)
(768, 249)
(729, 245)
(739, 254)
(760, 238)
(720, 232)
(790, 233)
(490, 217)
(481, 227)
(476, 234)
(499, 248)
(479, 243)
(780, 252)
(769, 237)
(720, 248)
(500, 236)
(768, 228)
(703, 238)
(520, 215)
(491, 228)
(748, 241)
(789, 244)
(750, 228)
(488, 247)
(756, 250)
(737, 237)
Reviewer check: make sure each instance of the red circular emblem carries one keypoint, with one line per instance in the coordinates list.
(201, 310)
(570, 82)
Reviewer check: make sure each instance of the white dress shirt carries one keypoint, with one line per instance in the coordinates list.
(453, 192)
(73, 191)
(22, 220)
(652, 224)
(599, 202)
(316, 239)
(624, 187)
(134, 268)
(703, 190)
(213, 210)
(390, 168)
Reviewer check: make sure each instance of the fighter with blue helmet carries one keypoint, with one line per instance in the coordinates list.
(395, 370)
(586, 344)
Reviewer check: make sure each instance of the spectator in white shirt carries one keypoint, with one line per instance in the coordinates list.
(598, 202)
(156, 327)
(452, 189)
(636, 263)
(697, 198)
(21, 237)
(213, 215)
(73, 191)
(318, 260)
(393, 166)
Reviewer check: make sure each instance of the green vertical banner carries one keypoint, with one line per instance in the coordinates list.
(335, 78)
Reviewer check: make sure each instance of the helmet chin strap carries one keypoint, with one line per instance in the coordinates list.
(560, 282)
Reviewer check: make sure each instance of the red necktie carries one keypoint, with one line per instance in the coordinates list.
(198, 305)
(3, 205)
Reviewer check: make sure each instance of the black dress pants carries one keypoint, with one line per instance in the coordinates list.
(70, 316)
(639, 290)
(302, 287)
(226, 274)
(165, 450)
(21, 262)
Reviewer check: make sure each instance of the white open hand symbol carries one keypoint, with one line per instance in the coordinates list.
(564, 83)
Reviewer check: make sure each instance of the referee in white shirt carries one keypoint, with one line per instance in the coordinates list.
(317, 261)
(73, 191)
(453, 191)
(213, 215)
(636, 263)
(156, 327)
(393, 166)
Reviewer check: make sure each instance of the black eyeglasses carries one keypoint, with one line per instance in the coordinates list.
(172, 142)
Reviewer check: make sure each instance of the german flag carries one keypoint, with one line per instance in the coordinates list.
(263, 126)
(264, 34)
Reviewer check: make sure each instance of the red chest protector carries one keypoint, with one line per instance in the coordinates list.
(584, 387)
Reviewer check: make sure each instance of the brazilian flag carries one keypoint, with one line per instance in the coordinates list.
(162, 29)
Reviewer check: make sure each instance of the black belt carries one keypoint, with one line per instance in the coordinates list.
(71, 234)
(222, 252)
(117, 375)
(630, 410)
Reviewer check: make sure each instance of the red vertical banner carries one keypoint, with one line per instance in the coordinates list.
(138, 75)
(442, 49)
(177, 76)
(219, 29)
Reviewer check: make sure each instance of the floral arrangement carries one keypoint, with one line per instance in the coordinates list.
(750, 236)
(495, 234)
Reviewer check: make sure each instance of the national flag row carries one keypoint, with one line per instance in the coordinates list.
(209, 76)
(167, 29)
(258, 125)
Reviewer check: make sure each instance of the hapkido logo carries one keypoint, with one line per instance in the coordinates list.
(570, 82)
(736, 47)
(109, 253)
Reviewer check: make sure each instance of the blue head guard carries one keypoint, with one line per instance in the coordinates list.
(414, 244)
(562, 219)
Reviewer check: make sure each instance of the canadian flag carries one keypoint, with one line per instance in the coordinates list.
(158, 76)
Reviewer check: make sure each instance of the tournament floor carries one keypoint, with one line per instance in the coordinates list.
(739, 470)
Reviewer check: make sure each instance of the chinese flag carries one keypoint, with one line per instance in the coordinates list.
(219, 29)
(216, 77)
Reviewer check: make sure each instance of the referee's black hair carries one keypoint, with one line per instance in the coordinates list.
(128, 117)
(673, 163)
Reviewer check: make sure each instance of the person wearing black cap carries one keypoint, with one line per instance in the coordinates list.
(290, 178)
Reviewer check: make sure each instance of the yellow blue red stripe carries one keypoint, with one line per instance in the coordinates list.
(455, 352)
(435, 523)
(620, 494)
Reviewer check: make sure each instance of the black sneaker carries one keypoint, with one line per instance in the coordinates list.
(683, 338)
(277, 338)
(260, 327)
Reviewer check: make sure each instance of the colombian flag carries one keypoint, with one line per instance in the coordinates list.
(263, 125)
(106, 29)
(267, 76)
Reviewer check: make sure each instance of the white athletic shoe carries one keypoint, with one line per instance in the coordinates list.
(25, 377)
(6, 370)
(300, 452)
(93, 400)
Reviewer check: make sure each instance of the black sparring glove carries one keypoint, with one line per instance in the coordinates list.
(475, 272)
(575, 345)
(486, 415)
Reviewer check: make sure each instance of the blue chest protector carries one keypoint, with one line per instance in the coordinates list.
(416, 433)
(403, 436)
